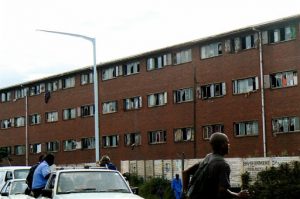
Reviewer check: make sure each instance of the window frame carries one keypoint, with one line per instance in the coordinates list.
(237, 87)
(132, 104)
(214, 128)
(110, 141)
(181, 134)
(214, 49)
(273, 79)
(110, 107)
(88, 143)
(53, 116)
(54, 146)
(68, 115)
(245, 133)
(153, 139)
(132, 139)
(178, 93)
(289, 119)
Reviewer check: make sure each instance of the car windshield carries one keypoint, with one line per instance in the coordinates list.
(21, 173)
(91, 181)
(18, 187)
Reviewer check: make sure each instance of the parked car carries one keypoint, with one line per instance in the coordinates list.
(87, 184)
(14, 189)
(13, 172)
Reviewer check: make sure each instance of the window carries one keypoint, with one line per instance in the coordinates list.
(157, 137)
(183, 56)
(20, 150)
(131, 68)
(213, 90)
(246, 128)
(111, 72)
(35, 119)
(68, 82)
(184, 134)
(110, 141)
(211, 50)
(86, 78)
(245, 85)
(6, 123)
(132, 139)
(285, 124)
(159, 61)
(284, 79)
(5, 96)
(69, 114)
(241, 43)
(183, 95)
(283, 33)
(132, 103)
(19, 121)
(88, 143)
(157, 99)
(36, 148)
(34, 90)
(87, 110)
(20, 93)
(54, 85)
(69, 145)
(208, 130)
(52, 146)
(6, 149)
(109, 107)
(51, 116)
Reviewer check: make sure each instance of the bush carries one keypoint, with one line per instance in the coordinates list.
(153, 188)
(281, 182)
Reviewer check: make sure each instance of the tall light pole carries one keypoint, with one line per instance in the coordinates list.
(96, 117)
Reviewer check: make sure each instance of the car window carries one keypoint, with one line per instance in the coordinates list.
(18, 187)
(21, 173)
(91, 181)
(8, 176)
(2, 176)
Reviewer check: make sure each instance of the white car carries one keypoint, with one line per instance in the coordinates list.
(14, 189)
(87, 184)
(13, 172)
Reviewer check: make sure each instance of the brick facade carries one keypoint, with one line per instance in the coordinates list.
(223, 65)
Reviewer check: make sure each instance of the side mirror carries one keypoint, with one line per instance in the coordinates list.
(5, 194)
(47, 193)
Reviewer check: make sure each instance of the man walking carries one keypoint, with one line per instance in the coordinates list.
(177, 186)
(213, 183)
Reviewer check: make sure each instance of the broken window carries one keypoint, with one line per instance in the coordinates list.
(52, 146)
(156, 137)
(208, 130)
(36, 148)
(213, 90)
(183, 95)
(159, 61)
(184, 134)
(284, 33)
(68, 82)
(110, 141)
(19, 121)
(88, 143)
(87, 110)
(211, 50)
(69, 145)
(284, 79)
(86, 78)
(132, 103)
(157, 99)
(285, 124)
(6, 123)
(245, 85)
(34, 90)
(35, 119)
(132, 139)
(111, 72)
(131, 68)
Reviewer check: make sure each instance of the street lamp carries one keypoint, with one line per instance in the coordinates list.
(93, 40)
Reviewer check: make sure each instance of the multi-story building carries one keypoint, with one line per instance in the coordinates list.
(163, 103)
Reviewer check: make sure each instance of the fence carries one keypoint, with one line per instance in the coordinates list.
(168, 168)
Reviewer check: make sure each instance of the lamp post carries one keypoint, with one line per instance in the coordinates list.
(93, 40)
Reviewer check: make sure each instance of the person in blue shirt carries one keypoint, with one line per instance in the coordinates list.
(177, 186)
(41, 175)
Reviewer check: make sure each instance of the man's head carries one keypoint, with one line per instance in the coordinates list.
(177, 176)
(49, 159)
(219, 143)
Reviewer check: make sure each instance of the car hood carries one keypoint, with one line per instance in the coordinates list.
(20, 196)
(97, 196)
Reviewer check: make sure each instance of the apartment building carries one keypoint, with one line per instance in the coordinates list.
(166, 103)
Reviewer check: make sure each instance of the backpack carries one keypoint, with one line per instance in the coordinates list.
(199, 181)
(29, 177)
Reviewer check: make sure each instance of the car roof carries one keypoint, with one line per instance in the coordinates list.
(85, 170)
(11, 168)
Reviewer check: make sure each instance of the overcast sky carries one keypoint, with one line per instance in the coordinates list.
(121, 27)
